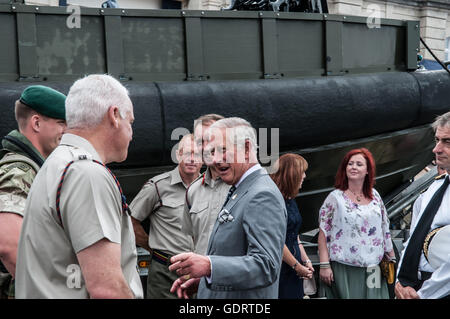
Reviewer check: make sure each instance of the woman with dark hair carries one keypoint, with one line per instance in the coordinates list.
(289, 175)
(354, 232)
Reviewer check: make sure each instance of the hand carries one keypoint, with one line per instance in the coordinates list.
(303, 272)
(309, 266)
(326, 275)
(405, 292)
(390, 256)
(185, 288)
(190, 265)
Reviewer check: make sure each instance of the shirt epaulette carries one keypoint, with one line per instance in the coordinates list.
(154, 180)
(13, 160)
(440, 177)
(20, 165)
(160, 177)
(79, 154)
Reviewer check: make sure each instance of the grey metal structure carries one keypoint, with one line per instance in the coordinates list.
(172, 45)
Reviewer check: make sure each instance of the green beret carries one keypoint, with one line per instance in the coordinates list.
(45, 101)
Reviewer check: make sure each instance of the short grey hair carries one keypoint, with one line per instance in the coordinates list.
(441, 121)
(90, 98)
(238, 131)
(207, 119)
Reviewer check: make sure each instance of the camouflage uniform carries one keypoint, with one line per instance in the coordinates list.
(17, 173)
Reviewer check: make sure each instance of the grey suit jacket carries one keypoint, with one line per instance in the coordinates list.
(246, 252)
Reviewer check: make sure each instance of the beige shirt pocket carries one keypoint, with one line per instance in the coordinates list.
(165, 228)
(199, 208)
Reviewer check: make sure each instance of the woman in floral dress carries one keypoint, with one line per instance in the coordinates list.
(354, 232)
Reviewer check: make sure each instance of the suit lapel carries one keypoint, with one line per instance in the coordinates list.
(239, 193)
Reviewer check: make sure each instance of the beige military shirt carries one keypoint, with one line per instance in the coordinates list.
(165, 232)
(91, 209)
(205, 198)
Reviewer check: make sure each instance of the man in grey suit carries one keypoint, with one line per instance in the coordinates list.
(246, 244)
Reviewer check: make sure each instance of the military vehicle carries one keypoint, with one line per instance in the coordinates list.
(316, 84)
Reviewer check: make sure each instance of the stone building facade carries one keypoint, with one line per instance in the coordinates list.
(434, 18)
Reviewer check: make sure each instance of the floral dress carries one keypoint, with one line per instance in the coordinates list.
(356, 235)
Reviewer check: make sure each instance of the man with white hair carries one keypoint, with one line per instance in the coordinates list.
(243, 258)
(77, 238)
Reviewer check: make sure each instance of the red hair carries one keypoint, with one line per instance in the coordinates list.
(341, 181)
(289, 173)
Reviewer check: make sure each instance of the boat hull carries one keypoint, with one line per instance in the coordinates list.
(318, 117)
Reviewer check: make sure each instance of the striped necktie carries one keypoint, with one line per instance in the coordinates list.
(230, 192)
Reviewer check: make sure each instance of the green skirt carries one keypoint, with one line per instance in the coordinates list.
(352, 282)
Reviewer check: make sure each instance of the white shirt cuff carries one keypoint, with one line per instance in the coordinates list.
(209, 278)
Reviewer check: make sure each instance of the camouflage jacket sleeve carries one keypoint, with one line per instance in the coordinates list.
(15, 182)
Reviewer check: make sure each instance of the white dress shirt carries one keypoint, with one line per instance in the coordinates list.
(252, 169)
(438, 285)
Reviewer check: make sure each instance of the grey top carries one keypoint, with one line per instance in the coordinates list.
(91, 209)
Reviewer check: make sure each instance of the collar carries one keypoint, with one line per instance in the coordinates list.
(175, 177)
(80, 142)
(12, 148)
(252, 169)
(208, 179)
